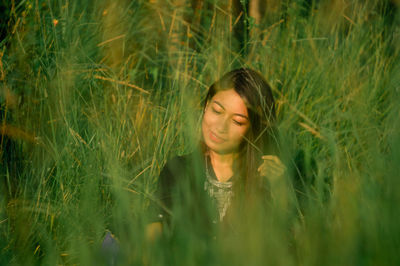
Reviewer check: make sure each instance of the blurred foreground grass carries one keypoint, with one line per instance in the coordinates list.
(97, 95)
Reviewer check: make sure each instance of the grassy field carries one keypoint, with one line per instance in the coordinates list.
(97, 95)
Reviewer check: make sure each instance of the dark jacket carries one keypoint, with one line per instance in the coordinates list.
(181, 195)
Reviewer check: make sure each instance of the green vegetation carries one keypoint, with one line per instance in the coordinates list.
(97, 95)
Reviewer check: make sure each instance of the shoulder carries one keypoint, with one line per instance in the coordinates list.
(177, 161)
(184, 161)
(175, 166)
(181, 166)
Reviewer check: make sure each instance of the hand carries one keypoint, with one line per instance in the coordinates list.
(272, 168)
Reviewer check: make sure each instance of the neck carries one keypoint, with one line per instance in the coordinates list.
(222, 164)
(224, 159)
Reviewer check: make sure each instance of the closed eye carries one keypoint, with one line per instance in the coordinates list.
(238, 123)
(215, 110)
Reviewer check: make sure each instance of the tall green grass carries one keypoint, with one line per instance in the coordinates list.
(105, 92)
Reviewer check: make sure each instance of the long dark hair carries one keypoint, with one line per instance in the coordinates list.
(261, 138)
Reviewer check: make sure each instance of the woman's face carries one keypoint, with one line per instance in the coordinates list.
(225, 122)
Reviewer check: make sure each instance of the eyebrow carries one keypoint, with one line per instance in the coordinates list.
(233, 114)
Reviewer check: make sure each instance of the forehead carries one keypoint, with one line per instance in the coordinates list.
(230, 101)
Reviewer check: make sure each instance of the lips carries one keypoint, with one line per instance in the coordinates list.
(215, 138)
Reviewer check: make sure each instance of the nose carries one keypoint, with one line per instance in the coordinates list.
(222, 126)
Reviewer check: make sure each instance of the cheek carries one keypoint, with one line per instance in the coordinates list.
(208, 120)
(238, 133)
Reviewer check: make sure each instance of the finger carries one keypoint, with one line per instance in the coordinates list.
(272, 158)
(271, 173)
(278, 172)
(262, 169)
(272, 168)
(273, 165)
(269, 157)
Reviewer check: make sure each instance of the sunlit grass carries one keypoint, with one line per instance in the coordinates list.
(96, 96)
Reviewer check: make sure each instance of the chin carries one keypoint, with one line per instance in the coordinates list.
(218, 148)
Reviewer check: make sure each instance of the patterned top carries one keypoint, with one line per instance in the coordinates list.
(220, 192)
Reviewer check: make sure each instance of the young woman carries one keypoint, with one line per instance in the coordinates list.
(236, 155)
(227, 173)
